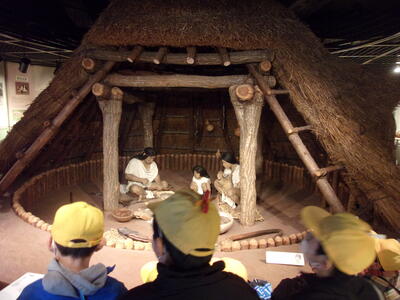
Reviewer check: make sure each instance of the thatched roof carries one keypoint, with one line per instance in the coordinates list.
(349, 107)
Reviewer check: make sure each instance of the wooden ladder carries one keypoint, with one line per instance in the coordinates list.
(294, 137)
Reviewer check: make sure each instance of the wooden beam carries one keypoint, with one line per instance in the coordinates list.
(134, 54)
(160, 55)
(244, 92)
(191, 55)
(264, 66)
(179, 80)
(202, 59)
(90, 65)
(102, 90)
(278, 92)
(48, 133)
(299, 129)
(323, 171)
(322, 183)
(111, 110)
(225, 59)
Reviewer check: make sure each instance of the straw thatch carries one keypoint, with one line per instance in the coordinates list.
(349, 107)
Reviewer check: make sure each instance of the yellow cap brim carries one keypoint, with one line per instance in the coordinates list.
(312, 216)
(388, 252)
(358, 244)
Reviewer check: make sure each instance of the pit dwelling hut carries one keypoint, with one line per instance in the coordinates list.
(194, 77)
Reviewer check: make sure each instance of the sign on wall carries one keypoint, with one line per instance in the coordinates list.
(22, 88)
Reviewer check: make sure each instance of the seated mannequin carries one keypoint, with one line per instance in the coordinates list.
(142, 174)
(200, 181)
(228, 181)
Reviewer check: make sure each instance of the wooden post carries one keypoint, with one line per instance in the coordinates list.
(160, 55)
(248, 115)
(49, 132)
(90, 65)
(146, 111)
(244, 92)
(135, 54)
(294, 138)
(191, 55)
(225, 59)
(111, 110)
(264, 66)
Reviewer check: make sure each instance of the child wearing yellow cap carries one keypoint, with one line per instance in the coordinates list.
(184, 238)
(77, 232)
(337, 248)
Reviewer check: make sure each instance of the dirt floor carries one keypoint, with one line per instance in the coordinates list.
(24, 247)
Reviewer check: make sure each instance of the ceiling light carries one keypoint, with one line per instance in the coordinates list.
(24, 64)
(397, 69)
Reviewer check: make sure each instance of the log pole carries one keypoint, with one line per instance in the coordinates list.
(264, 66)
(322, 183)
(135, 54)
(225, 59)
(90, 65)
(146, 111)
(111, 109)
(179, 80)
(191, 55)
(160, 55)
(244, 92)
(248, 115)
(210, 59)
(48, 132)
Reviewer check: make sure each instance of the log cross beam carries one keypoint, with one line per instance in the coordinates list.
(49, 132)
(305, 155)
(191, 57)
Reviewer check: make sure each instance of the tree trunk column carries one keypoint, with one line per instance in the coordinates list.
(146, 111)
(248, 115)
(111, 110)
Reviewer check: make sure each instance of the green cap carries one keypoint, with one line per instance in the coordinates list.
(185, 225)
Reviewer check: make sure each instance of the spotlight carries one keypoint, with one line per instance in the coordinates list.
(24, 64)
(397, 69)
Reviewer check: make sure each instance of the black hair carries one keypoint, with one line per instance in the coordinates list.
(180, 261)
(76, 252)
(146, 153)
(229, 157)
(201, 170)
(320, 250)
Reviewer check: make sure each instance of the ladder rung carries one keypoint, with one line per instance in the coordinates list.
(298, 129)
(277, 92)
(324, 171)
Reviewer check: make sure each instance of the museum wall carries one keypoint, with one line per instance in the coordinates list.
(18, 90)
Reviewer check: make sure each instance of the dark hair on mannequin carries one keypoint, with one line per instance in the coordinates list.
(180, 261)
(146, 153)
(201, 170)
(229, 158)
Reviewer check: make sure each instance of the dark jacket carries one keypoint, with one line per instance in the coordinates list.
(339, 286)
(205, 283)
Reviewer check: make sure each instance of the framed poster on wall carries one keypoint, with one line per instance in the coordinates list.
(22, 88)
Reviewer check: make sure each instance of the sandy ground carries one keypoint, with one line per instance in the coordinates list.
(23, 248)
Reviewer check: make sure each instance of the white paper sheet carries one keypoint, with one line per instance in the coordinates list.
(14, 289)
(284, 258)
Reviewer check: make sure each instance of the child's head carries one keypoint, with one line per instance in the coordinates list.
(228, 159)
(200, 171)
(77, 230)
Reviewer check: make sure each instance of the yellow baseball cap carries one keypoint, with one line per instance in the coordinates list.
(185, 225)
(78, 221)
(346, 239)
(388, 252)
